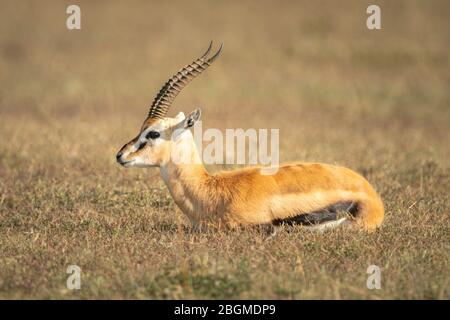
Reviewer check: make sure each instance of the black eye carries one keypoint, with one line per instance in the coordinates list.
(152, 135)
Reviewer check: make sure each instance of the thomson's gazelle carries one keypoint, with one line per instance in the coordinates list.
(298, 193)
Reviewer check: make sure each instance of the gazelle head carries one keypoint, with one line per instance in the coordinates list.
(158, 134)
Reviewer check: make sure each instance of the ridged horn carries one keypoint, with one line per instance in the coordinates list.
(176, 83)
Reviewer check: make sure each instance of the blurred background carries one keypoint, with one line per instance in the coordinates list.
(376, 101)
(312, 69)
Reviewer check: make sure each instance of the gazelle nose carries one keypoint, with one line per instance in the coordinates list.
(118, 155)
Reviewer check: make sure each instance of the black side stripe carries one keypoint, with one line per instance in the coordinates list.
(320, 216)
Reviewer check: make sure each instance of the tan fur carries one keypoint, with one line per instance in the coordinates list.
(245, 197)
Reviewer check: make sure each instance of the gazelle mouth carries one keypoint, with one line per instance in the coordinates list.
(125, 163)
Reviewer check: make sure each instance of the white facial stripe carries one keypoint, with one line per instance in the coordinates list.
(158, 128)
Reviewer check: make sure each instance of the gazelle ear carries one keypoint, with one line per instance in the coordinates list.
(192, 118)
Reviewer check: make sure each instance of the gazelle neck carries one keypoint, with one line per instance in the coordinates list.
(186, 179)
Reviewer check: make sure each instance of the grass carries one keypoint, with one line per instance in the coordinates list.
(374, 101)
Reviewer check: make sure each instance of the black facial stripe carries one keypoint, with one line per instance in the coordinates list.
(142, 145)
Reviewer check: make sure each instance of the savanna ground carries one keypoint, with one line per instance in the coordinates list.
(375, 101)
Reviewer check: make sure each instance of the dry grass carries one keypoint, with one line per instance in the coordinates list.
(375, 101)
